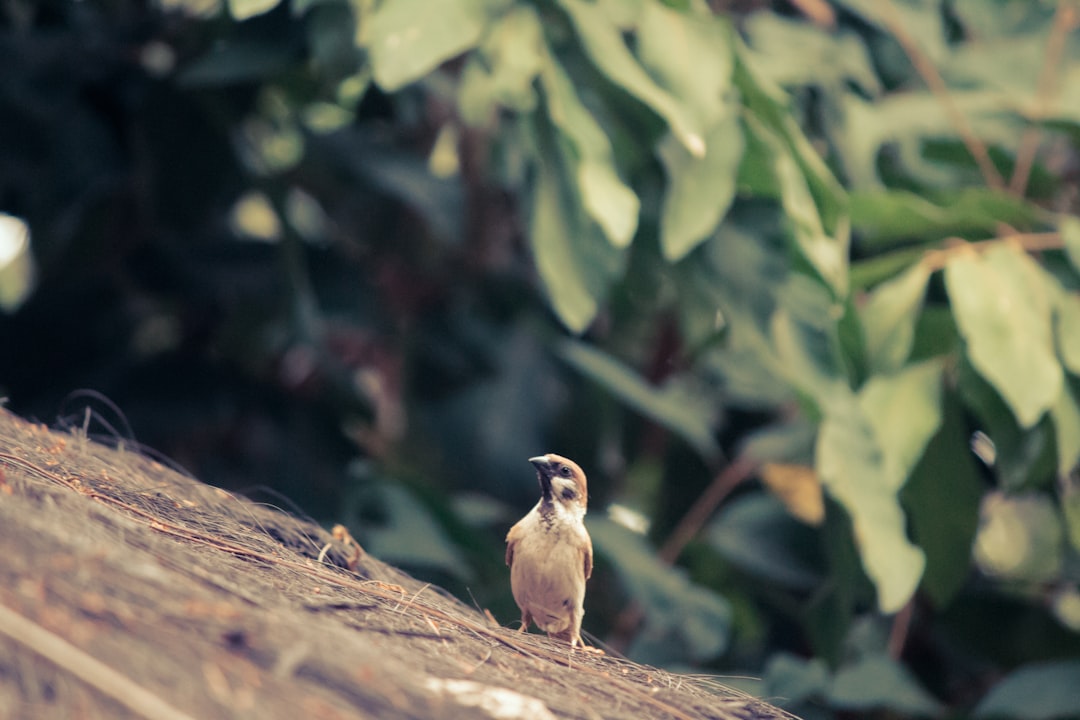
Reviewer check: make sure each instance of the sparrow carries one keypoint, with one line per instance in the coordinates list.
(549, 552)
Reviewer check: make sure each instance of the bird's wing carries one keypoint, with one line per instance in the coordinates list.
(512, 538)
(586, 555)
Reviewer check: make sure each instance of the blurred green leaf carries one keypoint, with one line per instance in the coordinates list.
(1022, 457)
(826, 255)
(700, 189)
(683, 620)
(1003, 310)
(756, 533)
(889, 318)
(407, 533)
(1069, 227)
(239, 61)
(606, 198)
(603, 42)
(1020, 538)
(244, 9)
(1039, 691)
(883, 217)
(794, 679)
(680, 408)
(879, 682)
(502, 73)
(866, 448)
(942, 502)
(1069, 497)
(1065, 414)
(407, 39)
(795, 53)
(1067, 328)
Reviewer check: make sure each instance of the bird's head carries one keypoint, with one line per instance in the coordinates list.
(561, 481)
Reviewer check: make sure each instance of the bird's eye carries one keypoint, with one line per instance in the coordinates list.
(564, 470)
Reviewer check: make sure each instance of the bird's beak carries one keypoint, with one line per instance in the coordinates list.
(543, 472)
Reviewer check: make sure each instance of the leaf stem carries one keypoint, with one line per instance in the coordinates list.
(1028, 242)
(930, 75)
(1064, 22)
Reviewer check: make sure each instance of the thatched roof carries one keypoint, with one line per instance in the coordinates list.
(128, 589)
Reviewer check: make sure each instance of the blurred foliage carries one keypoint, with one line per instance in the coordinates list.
(811, 261)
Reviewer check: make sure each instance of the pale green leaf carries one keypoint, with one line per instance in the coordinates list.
(905, 411)
(407, 39)
(502, 73)
(606, 198)
(1069, 227)
(690, 56)
(569, 291)
(1003, 310)
(867, 447)
(700, 189)
(688, 413)
(1039, 691)
(1020, 538)
(889, 318)
(244, 9)
(879, 682)
(603, 42)
(826, 254)
(794, 52)
(1066, 416)
(1067, 329)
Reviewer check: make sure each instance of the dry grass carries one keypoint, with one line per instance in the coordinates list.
(128, 589)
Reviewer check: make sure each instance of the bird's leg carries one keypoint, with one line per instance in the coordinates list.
(525, 620)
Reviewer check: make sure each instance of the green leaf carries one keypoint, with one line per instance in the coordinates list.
(1066, 416)
(700, 189)
(889, 317)
(756, 533)
(866, 448)
(942, 501)
(1067, 330)
(825, 254)
(407, 39)
(1069, 497)
(502, 73)
(607, 199)
(879, 682)
(1069, 227)
(1022, 457)
(573, 297)
(795, 679)
(796, 53)
(690, 56)
(603, 42)
(682, 620)
(1039, 691)
(244, 9)
(688, 413)
(1003, 311)
(1020, 538)
(883, 217)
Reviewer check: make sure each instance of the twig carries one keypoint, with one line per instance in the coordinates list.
(898, 633)
(1028, 242)
(740, 468)
(1064, 22)
(87, 668)
(930, 75)
(818, 11)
